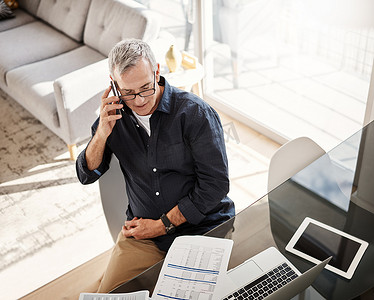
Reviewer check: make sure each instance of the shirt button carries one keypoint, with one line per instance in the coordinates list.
(154, 170)
(137, 125)
(157, 193)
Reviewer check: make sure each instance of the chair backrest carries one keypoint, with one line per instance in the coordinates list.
(114, 197)
(291, 158)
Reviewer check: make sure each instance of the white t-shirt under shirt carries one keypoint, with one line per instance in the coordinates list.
(144, 121)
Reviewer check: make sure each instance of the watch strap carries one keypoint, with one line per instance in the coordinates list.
(165, 220)
(170, 227)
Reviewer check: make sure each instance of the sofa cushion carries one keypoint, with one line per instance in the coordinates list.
(30, 6)
(128, 19)
(69, 16)
(78, 96)
(34, 42)
(32, 84)
(22, 18)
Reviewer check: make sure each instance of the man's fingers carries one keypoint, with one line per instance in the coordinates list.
(129, 224)
(126, 232)
(133, 223)
(109, 108)
(109, 100)
(105, 99)
(114, 117)
(106, 92)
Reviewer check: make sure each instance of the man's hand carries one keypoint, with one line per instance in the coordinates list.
(143, 228)
(108, 116)
(147, 228)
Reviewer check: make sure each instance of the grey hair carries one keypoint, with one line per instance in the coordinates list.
(127, 53)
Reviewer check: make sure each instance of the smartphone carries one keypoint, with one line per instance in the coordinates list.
(114, 90)
(115, 93)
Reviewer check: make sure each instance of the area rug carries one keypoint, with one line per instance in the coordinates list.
(42, 205)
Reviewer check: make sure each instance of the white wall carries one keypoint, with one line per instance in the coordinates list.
(369, 112)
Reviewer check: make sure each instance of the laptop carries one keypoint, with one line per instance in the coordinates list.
(268, 275)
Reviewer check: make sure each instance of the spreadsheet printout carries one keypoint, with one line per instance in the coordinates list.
(140, 295)
(193, 268)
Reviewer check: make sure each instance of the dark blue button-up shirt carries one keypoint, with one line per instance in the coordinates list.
(183, 162)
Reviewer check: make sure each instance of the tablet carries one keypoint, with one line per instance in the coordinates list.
(316, 241)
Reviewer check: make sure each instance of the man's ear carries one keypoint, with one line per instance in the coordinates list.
(158, 73)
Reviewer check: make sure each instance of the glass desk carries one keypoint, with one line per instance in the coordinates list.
(336, 189)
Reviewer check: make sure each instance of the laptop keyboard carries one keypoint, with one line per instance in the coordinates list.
(265, 285)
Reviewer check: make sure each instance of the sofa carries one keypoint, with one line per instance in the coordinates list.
(53, 58)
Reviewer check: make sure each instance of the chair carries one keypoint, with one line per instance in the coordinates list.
(114, 197)
(291, 158)
(288, 160)
(189, 12)
(241, 22)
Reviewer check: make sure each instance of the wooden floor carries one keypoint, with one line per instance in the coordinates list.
(248, 154)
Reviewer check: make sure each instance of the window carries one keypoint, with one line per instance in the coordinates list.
(289, 68)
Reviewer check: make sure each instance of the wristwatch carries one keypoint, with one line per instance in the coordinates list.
(170, 228)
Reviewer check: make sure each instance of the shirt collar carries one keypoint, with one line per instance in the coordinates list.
(165, 101)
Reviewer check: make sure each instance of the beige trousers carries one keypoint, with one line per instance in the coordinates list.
(129, 258)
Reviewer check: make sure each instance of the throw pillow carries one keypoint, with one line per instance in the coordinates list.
(5, 11)
(13, 4)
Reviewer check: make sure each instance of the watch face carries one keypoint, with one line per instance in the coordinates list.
(170, 229)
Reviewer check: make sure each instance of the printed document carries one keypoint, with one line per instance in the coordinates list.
(141, 295)
(193, 268)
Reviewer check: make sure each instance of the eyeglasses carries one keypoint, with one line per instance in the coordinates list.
(145, 93)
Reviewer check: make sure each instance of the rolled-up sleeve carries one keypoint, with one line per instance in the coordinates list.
(190, 211)
(207, 145)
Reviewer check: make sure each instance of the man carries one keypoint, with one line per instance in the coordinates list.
(171, 149)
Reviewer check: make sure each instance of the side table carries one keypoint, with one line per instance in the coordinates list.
(187, 77)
